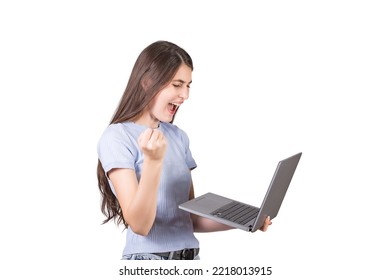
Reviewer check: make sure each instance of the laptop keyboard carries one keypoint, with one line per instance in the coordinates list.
(236, 212)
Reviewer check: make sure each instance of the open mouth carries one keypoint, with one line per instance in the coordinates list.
(172, 108)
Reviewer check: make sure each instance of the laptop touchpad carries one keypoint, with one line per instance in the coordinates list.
(210, 203)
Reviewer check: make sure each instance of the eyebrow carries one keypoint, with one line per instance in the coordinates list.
(181, 81)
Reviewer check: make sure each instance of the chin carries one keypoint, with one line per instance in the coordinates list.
(168, 119)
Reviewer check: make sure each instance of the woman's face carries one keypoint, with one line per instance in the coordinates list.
(165, 104)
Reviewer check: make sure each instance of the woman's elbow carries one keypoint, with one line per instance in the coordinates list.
(140, 222)
(139, 228)
(141, 232)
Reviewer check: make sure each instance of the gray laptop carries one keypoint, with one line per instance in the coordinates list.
(241, 215)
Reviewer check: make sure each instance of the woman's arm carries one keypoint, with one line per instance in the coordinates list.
(138, 201)
(202, 224)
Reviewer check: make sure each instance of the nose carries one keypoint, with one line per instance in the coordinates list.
(185, 93)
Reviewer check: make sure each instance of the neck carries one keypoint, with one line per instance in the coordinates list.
(148, 120)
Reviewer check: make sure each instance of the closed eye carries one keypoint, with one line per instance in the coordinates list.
(179, 83)
(179, 86)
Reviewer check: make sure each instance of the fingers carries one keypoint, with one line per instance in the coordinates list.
(149, 137)
(146, 134)
(155, 139)
(152, 143)
(266, 224)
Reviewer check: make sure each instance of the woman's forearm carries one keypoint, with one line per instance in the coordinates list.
(202, 224)
(141, 212)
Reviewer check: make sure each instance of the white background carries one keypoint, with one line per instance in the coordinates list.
(271, 78)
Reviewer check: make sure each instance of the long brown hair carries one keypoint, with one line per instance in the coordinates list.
(154, 68)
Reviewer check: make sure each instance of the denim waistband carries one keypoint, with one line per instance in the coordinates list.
(185, 254)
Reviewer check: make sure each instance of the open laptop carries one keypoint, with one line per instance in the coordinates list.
(241, 215)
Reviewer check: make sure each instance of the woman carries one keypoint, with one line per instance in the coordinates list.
(144, 168)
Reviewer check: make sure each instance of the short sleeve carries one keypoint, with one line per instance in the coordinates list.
(115, 149)
(188, 155)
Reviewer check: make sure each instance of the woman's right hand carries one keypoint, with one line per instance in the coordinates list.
(153, 144)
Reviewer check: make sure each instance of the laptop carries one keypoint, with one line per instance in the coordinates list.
(241, 215)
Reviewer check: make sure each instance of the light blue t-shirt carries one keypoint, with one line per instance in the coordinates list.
(172, 229)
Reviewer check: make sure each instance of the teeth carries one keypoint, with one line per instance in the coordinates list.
(177, 105)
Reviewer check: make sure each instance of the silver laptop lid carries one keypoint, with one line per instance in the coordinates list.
(277, 189)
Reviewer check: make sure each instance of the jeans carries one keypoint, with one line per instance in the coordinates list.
(147, 256)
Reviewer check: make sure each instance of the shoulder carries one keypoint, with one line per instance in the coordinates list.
(113, 131)
(119, 134)
(117, 148)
